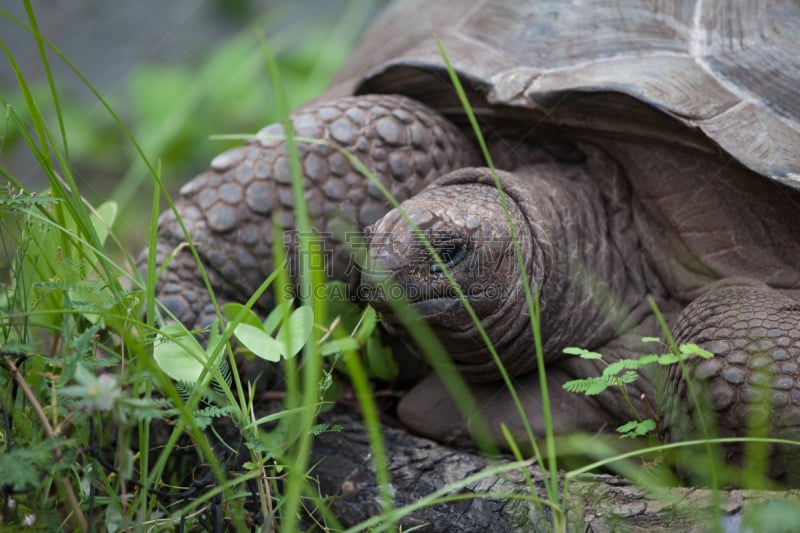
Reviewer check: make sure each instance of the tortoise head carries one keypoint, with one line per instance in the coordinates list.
(462, 247)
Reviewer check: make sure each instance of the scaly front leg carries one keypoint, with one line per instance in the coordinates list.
(751, 387)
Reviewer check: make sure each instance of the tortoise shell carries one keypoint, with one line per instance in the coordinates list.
(713, 75)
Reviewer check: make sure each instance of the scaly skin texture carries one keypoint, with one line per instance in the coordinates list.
(599, 233)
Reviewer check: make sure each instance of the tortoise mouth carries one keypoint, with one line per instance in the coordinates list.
(442, 313)
(430, 308)
(439, 306)
(424, 298)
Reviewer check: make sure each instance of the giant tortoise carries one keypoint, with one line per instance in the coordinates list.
(648, 153)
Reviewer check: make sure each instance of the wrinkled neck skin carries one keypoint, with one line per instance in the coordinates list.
(592, 279)
(573, 223)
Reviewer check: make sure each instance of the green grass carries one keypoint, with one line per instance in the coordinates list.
(78, 370)
(87, 382)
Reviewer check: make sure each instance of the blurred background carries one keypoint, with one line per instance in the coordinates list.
(175, 71)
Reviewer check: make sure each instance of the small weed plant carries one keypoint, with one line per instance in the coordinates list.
(623, 372)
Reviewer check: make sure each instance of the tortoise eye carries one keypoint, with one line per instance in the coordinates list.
(451, 247)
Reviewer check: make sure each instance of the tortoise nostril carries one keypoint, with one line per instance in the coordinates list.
(451, 247)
